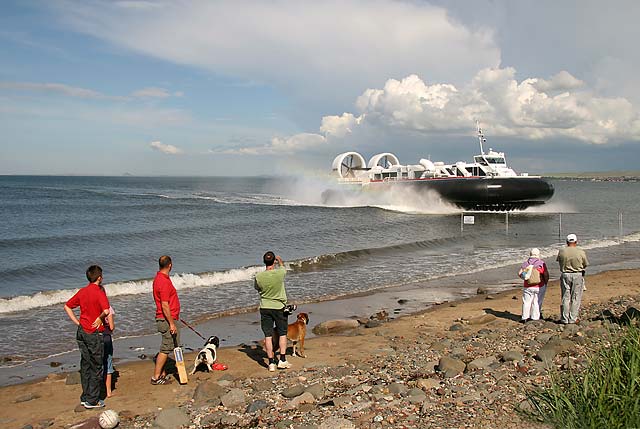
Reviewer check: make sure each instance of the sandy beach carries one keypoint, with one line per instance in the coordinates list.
(52, 402)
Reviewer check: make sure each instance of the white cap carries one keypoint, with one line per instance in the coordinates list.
(572, 238)
(534, 252)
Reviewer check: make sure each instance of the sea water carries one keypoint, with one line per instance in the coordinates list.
(217, 229)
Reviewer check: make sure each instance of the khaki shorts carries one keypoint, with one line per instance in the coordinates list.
(167, 344)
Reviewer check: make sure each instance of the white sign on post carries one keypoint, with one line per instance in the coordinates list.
(468, 220)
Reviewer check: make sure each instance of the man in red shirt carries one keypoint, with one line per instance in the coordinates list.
(94, 307)
(167, 313)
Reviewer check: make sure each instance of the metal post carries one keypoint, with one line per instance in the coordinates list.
(461, 223)
(620, 230)
(506, 222)
(560, 225)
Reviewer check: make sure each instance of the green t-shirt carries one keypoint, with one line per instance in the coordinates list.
(572, 259)
(270, 284)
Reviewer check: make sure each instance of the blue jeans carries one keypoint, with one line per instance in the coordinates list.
(91, 366)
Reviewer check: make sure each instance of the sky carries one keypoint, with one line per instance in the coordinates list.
(246, 88)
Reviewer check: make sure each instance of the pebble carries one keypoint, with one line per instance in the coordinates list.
(418, 383)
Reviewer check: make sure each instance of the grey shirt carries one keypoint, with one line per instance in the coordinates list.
(572, 259)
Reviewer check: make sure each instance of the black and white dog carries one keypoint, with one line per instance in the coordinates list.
(208, 355)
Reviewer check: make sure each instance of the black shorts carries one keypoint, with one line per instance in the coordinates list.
(270, 317)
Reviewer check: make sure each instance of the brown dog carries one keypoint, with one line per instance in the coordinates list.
(297, 331)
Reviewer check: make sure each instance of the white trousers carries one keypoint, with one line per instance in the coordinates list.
(532, 298)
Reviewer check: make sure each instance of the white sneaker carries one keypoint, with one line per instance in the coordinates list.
(272, 367)
(283, 364)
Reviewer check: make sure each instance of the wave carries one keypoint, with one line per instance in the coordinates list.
(309, 264)
(134, 287)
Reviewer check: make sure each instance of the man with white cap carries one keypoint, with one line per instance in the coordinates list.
(573, 261)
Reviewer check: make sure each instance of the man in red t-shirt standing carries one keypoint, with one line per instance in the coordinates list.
(167, 313)
(94, 307)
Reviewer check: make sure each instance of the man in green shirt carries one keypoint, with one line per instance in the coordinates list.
(273, 298)
(573, 261)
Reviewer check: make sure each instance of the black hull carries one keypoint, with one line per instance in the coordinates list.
(485, 194)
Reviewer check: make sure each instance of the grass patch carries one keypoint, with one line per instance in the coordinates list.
(605, 395)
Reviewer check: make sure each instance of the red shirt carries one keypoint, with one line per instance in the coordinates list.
(163, 290)
(92, 301)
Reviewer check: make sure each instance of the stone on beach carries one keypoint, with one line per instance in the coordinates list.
(481, 363)
(481, 320)
(335, 326)
(171, 418)
(450, 366)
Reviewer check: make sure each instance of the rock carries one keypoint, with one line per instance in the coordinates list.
(229, 420)
(372, 324)
(233, 399)
(256, 405)
(54, 364)
(336, 423)
(451, 367)
(317, 390)
(402, 301)
(456, 327)
(293, 391)
(552, 348)
(546, 355)
(398, 388)
(428, 383)
(26, 397)
(73, 378)
(337, 401)
(43, 424)
(90, 423)
(570, 329)
(511, 356)
(225, 383)
(285, 424)
(525, 406)
(335, 326)
(208, 392)
(262, 385)
(544, 337)
(305, 398)
(416, 396)
(481, 320)
(171, 418)
(339, 372)
(481, 363)
(482, 291)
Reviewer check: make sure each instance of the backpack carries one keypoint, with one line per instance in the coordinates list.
(534, 278)
(530, 274)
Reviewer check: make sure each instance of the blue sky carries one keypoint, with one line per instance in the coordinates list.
(248, 87)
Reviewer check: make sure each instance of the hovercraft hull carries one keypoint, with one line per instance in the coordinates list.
(480, 193)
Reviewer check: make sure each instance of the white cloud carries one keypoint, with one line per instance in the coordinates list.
(564, 109)
(323, 49)
(165, 148)
(59, 88)
(278, 145)
(506, 106)
(560, 82)
(78, 92)
(151, 92)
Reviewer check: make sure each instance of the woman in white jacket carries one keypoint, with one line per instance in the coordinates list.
(535, 285)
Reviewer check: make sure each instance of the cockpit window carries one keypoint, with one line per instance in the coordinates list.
(495, 160)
